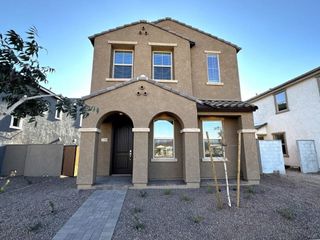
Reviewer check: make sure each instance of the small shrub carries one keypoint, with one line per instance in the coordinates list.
(29, 182)
(137, 210)
(35, 227)
(186, 198)
(197, 219)
(138, 225)
(167, 192)
(3, 187)
(52, 207)
(287, 213)
(251, 190)
(143, 194)
(209, 189)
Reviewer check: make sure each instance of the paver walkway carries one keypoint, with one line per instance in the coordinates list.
(96, 218)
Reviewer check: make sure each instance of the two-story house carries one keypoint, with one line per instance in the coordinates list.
(160, 86)
(290, 112)
(54, 127)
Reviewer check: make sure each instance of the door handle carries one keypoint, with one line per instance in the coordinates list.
(130, 154)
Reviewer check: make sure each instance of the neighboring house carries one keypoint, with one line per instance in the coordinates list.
(53, 127)
(290, 112)
(160, 86)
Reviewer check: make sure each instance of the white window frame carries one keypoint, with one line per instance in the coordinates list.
(277, 105)
(216, 159)
(81, 119)
(56, 114)
(210, 82)
(122, 64)
(157, 159)
(12, 120)
(171, 66)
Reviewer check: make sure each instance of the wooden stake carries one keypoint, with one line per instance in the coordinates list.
(227, 181)
(219, 203)
(239, 167)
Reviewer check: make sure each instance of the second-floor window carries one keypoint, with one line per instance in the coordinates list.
(213, 68)
(281, 101)
(162, 65)
(122, 64)
(16, 123)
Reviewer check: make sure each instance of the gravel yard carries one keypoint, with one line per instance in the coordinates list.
(36, 208)
(286, 207)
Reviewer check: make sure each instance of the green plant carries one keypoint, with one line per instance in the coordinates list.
(52, 207)
(287, 213)
(138, 225)
(7, 181)
(186, 198)
(197, 219)
(251, 190)
(143, 194)
(137, 210)
(29, 182)
(34, 227)
(209, 189)
(167, 192)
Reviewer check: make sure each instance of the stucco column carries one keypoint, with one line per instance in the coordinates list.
(88, 157)
(140, 157)
(249, 157)
(191, 157)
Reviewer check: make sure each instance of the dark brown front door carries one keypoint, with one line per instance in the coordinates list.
(122, 147)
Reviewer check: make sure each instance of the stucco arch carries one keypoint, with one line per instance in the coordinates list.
(111, 113)
(167, 113)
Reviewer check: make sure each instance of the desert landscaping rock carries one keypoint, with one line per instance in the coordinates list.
(36, 208)
(279, 208)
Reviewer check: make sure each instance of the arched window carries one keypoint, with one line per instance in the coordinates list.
(163, 139)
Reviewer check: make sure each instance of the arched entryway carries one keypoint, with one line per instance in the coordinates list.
(115, 150)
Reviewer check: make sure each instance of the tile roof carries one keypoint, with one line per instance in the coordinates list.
(198, 30)
(226, 106)
(91, 38)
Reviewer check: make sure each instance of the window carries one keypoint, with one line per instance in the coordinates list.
(163, 139)
(282, 137)
(215, 130)
(122, 64)
(162, 65)
(260, 137)
(58, 115)
(213, 68)
(15, 123)
(281, 101)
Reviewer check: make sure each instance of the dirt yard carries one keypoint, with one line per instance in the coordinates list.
(36, 208)
(279, 208)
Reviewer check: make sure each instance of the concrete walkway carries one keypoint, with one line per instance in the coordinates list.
(96, 218)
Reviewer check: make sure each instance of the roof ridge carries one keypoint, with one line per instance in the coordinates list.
(300, 77)
(199, 30)
(151, 81)
(92, 37)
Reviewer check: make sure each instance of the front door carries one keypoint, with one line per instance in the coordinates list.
(122, 147)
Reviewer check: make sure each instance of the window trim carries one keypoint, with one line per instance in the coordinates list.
(113, 64)
(276, 104)
(155, 159)
(171, 66)
(218, 60)
(215, 159)
(285, 142)
(15, 127)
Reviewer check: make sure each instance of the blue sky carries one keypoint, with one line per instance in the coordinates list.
(279, 38)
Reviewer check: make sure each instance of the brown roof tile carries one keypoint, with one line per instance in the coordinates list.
(226, 106)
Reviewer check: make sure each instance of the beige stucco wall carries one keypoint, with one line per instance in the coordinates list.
(104, 150)
(102, 60)
(227, 58)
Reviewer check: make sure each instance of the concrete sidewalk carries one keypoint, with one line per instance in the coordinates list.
(96, 218)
